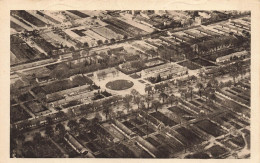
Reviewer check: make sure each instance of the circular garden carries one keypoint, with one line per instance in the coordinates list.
(119, 85)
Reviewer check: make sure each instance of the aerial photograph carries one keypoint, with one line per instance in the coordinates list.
(130, 84)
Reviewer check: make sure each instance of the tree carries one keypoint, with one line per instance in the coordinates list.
(190, 89)
(137, 101)
(183, 92)
(79, 80)
(17, 85)
(171, 99)
(112, 40)
(142, 104)
(72, 49)
(78, 45)
(14, 132)
(75, 55)
(85, 53)
(207, 92)
(158, 78)
(99, 42)
(61, 129)
(50, 53)
(84, 122)
(148, 89)
(37, 138)
(95, 105)
(148, 101)
(85, 45)
(73, 125)
(234, 73)
(239, 66)
(118, 37)
(156, 105)
(201, 75)
(21, 137)
(49, 120)
(200, 86)
(163, 96)
(102, 75)
(113, 115)
(214, 83)
(135, 94)
(243, 72)
(49, 131)
(60, 114)
(120, 113)
(157, 87)
(127, 101)
(15, 89)
(97, 118)
(209, 85)
(213, 97)
(162, 86)
(106, 110)
(221, 71)
(42, 97)
(60, 72)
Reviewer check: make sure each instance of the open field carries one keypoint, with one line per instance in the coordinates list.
(181, 112)
(23, 52)
(44, 45)
(78, 13)
(203, 62)
(124, 26)
(190, 65)
(18, 113)
(31, 19)
(210, 128)
(17, 27)
(119, 84)
(161, 117)
(107, 33)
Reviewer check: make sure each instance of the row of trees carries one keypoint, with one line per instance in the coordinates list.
(239, 68)
(91, 63)
(174, 53)
(208, 90)
(80, 45)
(221, 42)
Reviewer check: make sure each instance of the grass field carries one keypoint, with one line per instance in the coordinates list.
(203, 62)
(190, 65)
(210, 128)
(119, 85)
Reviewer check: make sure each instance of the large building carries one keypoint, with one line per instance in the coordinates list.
(164, 70)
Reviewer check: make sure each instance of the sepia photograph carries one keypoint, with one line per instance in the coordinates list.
(130, 84)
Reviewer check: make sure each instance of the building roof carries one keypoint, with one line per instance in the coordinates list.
(75, 143)
(165, 67)
(238, 54)
(117, 50)
(42, 78)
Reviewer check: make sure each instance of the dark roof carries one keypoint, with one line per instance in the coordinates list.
(74, 142)
(43, 78)
(116, 50)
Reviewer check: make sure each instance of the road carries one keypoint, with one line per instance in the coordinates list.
(118, 42)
